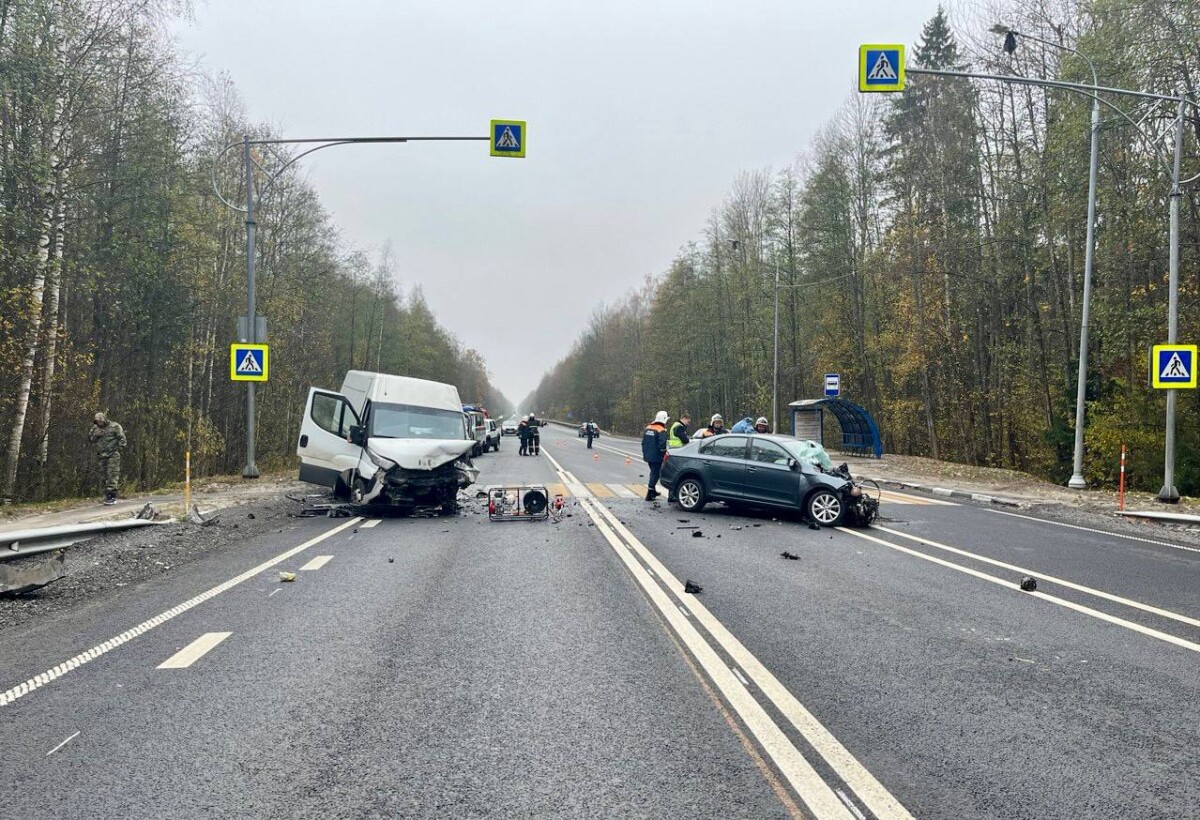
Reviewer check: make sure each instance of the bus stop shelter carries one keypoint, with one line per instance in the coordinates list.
(860, 434)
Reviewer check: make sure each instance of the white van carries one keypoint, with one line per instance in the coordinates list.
(389, 440)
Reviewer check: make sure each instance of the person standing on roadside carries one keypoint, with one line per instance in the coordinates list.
(535, 436)
(654, 447)
(590, 432)
(523, 433)
(679, 432)
(108, 438)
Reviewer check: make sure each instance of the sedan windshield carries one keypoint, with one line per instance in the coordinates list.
(410, 421)
(809, 452)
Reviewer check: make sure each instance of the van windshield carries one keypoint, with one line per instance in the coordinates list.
(410, 421)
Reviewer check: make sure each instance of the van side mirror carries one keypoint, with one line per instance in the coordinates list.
(358, 435)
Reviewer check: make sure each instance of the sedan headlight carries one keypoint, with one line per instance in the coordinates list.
(379, 461)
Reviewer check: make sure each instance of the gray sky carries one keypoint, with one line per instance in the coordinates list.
(640, 116)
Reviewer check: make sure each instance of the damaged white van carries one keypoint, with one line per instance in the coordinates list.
(390, 440)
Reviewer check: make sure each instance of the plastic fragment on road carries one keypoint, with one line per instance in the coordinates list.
(691, 587)
(1028, 584)
(789, 556)
(285, 577)
(697, 534)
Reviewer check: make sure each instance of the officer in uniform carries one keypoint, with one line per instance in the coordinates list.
(108, 438)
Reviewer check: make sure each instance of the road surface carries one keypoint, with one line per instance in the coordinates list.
(461, 668)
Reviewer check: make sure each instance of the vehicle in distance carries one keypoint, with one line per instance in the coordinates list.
(477, 424)
(583, 430)
(766, 471)
(493, 436)
(387, 439)
(509, 427)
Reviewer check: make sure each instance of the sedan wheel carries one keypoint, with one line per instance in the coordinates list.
(691, 495)
(825, 508)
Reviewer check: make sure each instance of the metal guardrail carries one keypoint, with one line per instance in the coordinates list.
(17, 543)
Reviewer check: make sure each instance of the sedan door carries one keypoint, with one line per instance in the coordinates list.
(770, 478)
(725, 466)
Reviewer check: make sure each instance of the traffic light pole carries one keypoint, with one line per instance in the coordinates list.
(250, 470)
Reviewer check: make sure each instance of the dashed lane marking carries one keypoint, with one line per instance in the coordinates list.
(317, 562)
(194, 651)
(1041, 576)
(90, 655)
(1100, 532)
(983, 576)
(374, 522)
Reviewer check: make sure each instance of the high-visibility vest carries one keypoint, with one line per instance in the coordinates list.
(673, 439)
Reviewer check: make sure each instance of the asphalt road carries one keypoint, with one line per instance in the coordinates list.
(461, 668)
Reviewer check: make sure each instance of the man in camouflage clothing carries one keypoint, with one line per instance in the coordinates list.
(108, 438)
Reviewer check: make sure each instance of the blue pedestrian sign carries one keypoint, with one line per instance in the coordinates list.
(508, 138)
(248, 363)
(881, 67)
(1174, 366)
(833, 384)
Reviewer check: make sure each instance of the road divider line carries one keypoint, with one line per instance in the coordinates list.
(317, 562)
(1041, 576)
(815, 792)
(864, 784)
(90, 655)
(194, 651)
(1063, 602)
(1100, 532)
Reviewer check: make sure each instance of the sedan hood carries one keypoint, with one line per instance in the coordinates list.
(419, 453)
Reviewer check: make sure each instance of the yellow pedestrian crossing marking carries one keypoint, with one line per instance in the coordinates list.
(893, 497)
(600, 491)
(621, 491)
(639, 489)
(557, 489)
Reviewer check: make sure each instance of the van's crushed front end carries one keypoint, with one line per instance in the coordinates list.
(412, 473)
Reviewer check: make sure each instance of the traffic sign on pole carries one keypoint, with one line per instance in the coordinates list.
(248, 363)
(833, 384)
(1174, 367)
(881, 67)
(508, 138)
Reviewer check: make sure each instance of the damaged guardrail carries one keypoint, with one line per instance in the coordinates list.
(18, 543)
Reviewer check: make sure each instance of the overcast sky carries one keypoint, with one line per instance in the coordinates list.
(640, 116)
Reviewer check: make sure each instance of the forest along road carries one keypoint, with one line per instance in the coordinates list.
(458, 667)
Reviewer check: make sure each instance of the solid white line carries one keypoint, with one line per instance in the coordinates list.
(983, 576)
(374, 522)
(873, 793)
(128, 635)
(1041, 576)
(194, 651)
(799, 772)
(317, 562)
(1099, 532)
(64, 743)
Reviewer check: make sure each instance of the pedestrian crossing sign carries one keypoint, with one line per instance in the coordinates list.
(248, 363)
(881, 67)
(1174, 366)
(508, 138)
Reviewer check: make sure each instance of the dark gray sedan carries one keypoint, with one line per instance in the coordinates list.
(766, 471)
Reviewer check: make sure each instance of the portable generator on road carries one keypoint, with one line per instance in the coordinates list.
(526, 502)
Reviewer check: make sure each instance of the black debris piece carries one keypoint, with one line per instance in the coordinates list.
(692, 527)
(692, 588)
(683, 520)
(757, 525)
(697, 534)
(789, 556)
(250, 516)
(735, 528)
(391, 560)
(1028, 584)
(813, 525)
(356, 528)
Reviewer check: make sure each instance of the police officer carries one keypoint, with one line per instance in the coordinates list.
(108, 438)
(654, 447)
(679, 432)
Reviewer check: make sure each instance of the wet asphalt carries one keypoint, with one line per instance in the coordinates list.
(456, 667)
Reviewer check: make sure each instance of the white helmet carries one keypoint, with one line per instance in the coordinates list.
(661, 417)
(716, 417)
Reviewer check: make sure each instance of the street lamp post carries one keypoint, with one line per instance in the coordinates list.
(250, 470)
(1010, 45)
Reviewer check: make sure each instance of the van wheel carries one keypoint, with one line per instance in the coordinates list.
(825, 508)
(690, 495)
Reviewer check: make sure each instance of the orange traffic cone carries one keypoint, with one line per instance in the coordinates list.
(628, 460)
(595, 456)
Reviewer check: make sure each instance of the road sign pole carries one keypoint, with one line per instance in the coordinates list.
(1169, 494)
(775, 372)
(251, 469)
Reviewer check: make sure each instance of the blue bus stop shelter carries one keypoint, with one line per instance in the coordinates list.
(860, 434)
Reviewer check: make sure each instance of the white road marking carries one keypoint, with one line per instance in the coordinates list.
(64, 743)
(578, 490)
(873, 793)
(374, 522)
(194, 651)
(850, 805)
(1041, 576)
(740, 676)
(983, 576)
(1100, 532)
(796, 770)
(317, 562)
(128, 635)
(683, 609)
(621, 491)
